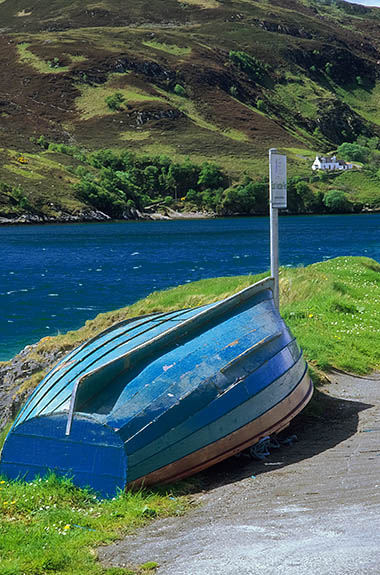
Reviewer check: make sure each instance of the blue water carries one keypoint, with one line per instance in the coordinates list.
(53, 278)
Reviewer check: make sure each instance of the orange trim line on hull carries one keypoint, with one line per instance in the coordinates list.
(270, 422)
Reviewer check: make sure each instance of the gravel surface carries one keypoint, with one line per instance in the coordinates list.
(309, 508)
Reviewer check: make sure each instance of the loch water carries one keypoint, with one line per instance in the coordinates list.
(55, 277)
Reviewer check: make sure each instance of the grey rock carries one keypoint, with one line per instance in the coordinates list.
(13, 375)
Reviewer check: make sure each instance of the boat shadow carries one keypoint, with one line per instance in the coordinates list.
(324, 423)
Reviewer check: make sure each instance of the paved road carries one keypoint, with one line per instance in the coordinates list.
(312, 508)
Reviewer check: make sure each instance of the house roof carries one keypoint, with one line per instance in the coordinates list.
(331, 160)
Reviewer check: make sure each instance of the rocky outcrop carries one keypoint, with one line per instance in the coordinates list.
(126, 63)
(14, 374)
(143, 116)
(92, 215)
(280, 28)
(341, 64)
(339, 123)
(84, 215)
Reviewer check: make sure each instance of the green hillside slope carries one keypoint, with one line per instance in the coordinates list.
(216, 81)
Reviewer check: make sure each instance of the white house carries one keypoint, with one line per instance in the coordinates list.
(330, 163)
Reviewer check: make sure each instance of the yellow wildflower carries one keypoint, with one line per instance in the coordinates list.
(66, 527)
(310, 315)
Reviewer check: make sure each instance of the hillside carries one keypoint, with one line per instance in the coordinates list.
(213, 80)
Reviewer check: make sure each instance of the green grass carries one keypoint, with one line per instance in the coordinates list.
(76, 58)
(301, 95)
(168, 48)
(361, 186)
(136, 136)
(28, 57)
(49, 526)
(236, 135)
(190, 108)
(364, 101)
(201, 3)
(23, 170)
(333, 308)
(91, 102)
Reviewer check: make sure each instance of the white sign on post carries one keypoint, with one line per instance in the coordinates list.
(277, 176)
(278, 199)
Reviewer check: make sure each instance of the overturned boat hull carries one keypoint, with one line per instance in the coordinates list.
(161, 397)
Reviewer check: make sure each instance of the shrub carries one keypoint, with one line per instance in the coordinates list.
(115, 101)
(43, 142)
(180, 90)
(328, 68)
(55, 63)
(260, 105)
(19, 198)
(234, 91)
(248, 64)
(168, 200)
(193, 196)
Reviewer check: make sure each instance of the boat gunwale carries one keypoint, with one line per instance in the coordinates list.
(64, 363)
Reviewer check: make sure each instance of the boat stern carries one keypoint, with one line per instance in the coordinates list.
(92, 453)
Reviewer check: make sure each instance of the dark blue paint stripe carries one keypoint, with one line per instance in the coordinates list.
(153, 422)
(275, 369)
(221, 427)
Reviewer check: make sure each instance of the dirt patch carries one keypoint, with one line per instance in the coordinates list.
(313, 507)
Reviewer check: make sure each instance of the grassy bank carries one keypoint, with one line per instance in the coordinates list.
(333, 308)
(48, 526)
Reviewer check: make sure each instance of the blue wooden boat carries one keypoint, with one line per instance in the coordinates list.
(160, 397)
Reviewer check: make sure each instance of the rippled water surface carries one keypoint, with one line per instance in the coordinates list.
(53, 278)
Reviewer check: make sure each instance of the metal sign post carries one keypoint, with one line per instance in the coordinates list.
(277, 199)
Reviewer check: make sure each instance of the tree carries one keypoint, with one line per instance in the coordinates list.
(210, 176)
(353, 151)
(151, 184)
(336, 201)
(239, 199)
(107, 159)
(184, 176)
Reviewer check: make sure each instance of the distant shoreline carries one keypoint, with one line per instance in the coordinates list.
(171, 215)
